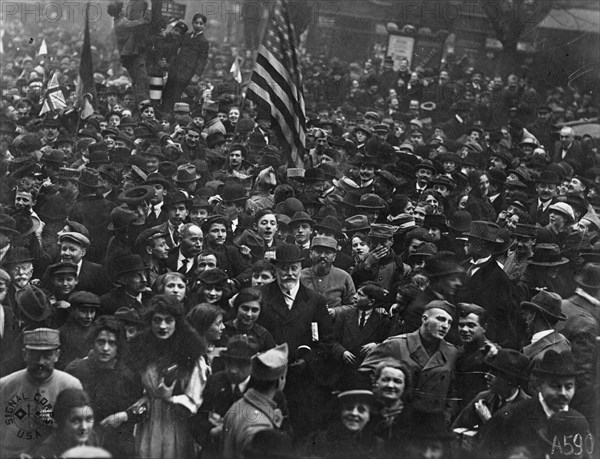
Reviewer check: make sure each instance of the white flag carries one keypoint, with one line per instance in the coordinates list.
(236, 71)
(43, 49)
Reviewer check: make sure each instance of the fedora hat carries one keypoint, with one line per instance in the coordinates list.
(356, 223)
(241, 347)
(425, 164)
(503, 246)
(186, 173)
(89, 177)
(302, 217)
(547, 302)
(370, 201)
(561, 364)
(120, 218)
(33, 303)
(486, 231)
(590, 276)
(177, 198)
(129, 264)
(526, 230)
(288, 253)
(547, 255)
(460, 221)
(330, 224)
(442, 264)
(351, 198)
(8, 226)
(513, 365)
(153, 151)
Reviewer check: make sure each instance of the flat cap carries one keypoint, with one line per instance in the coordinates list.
(73, 236)
(84, 299)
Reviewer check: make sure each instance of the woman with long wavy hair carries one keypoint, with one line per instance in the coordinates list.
(169, 358)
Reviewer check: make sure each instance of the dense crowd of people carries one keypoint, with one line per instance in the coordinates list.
(174, 285)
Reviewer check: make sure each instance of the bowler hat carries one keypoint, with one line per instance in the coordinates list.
(356, 223)
(288, 253)
(177, 198)
(120, 218)
(435, 221)
(443, 180)
(547, 255)
(381, 231)
(186, 173)
(590, 276)
(234, 192)
(89, 177)
(137, 195)
(548, 303)
(512, 365)
(129, 264)
(17, 254)
(33, 303)
(272, 364)
(81, 298)
(41, 339)
(153, 151)
(425, 164)
(460, 221)
(548, 176)
(241, 347)
(561, 364)
(486, 231)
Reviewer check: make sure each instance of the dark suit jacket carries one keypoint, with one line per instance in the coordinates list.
(294, 326)
(468, 418)
(192, 57)
(152, 220)
(172, 258)
(117, 298)
(92, 278)
(574, 154)
(541, 218)
(490, 288)
(9, 339)
(348, 335)
(522, 423)
(164, 228)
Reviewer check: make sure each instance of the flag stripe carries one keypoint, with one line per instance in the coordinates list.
(276, 84)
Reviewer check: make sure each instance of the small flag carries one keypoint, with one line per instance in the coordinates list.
(236, 70)
(86, 110)
(54, 99)
(43, 49)
(276, 83)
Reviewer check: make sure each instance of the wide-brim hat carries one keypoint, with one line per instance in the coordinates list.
(525, 230)
(33, 303)
(240, 347)
(186, 173)
(370, 201)
(486, 231)
(288, 253)
(442, 264)
(89, 177)
(561, 364)
(589, 276)
(8, 225)
(548, 303)
(503, 246)
(137, 194)
(234, 193)
(547, 255)
(512, 364)
(356, 223)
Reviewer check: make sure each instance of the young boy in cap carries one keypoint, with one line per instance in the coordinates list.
(73, 334)
(267, 378)
(29, 395)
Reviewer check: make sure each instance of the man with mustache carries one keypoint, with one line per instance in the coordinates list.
(28, 396)
(132, 290)
(335, 284)
(546, 187)
(524, 423)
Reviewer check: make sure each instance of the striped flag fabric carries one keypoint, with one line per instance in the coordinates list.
(54, 99)
(276, 83)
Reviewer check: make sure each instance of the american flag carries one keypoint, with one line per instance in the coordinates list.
(276, 84)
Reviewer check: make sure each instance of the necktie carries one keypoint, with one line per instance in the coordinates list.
(363, 319)
(540, 209)
(237, 393)
(184, 264)
(176, 237)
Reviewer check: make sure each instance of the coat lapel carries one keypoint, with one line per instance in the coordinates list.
(352, 324)
(417, 351)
